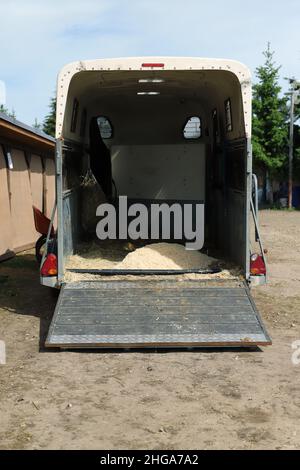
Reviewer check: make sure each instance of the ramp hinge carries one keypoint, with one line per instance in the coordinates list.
(58, 162)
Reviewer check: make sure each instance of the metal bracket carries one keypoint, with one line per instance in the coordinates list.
(58, 160)
(255, 184)
(48, 233)
(258, 234)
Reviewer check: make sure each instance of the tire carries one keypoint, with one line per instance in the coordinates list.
(38, 248)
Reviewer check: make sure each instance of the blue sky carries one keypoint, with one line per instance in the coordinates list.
(37, 37)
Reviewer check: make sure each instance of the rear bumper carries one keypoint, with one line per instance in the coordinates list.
(49, 281)
(257, 280)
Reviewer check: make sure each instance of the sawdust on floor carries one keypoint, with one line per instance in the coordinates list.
(152, 256)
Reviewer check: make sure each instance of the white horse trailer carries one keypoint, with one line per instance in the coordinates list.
(171, 129)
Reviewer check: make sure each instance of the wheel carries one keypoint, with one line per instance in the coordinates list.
(39, 248)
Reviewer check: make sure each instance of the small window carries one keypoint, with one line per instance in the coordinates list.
(228, 115)
(105, 127)
(192, 128)
(74, 115)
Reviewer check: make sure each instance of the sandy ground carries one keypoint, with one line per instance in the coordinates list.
(208, 399)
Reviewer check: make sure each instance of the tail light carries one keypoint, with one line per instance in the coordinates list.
(152, 65)
(49, 267)
(257, 265)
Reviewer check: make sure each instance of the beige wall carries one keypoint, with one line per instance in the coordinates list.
(21, 202)
(30, 182)
(36, 181)
(6, 242)
(49, 188)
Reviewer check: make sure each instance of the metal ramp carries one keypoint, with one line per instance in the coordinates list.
(159, 313)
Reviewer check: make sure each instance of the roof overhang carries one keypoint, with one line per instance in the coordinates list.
(15, 131)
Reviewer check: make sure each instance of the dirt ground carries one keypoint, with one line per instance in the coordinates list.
(211, 399)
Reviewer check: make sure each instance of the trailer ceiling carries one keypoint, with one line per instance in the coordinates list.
(95, 81)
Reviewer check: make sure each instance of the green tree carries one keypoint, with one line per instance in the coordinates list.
(270, 130)
(6, 111)
(36, 124)
(50, 119)
(296, 162)
(297, 106)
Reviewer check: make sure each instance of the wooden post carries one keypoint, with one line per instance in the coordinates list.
(291, 151)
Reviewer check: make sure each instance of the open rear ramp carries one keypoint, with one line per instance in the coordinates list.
(147, 314)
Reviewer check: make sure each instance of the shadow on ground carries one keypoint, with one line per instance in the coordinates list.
(22, 294)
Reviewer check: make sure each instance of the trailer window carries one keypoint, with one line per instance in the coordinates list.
(74, 115)
(105, 127)
(228, 115)
(192, 128)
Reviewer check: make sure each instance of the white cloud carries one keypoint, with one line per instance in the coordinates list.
(37, 37)
(2, 93)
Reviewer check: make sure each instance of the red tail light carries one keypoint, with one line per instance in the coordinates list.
(49, 267)
(257, 265)
(153, 65)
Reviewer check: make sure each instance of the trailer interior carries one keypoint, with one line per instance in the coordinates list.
(160, 136)
(156, 135)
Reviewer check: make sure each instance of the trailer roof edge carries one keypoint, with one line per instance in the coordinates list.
(240, 70)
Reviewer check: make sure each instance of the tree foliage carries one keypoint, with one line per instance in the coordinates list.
(37, 124)
(296, 165)
(270, 130)
(6, 111)
(50, 119)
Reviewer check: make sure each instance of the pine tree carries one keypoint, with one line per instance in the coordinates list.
(297, 106)
(270, 130)
(50, 119)
(296, 163)
(36, 124)
(13, 114)
(3, 109)
(6, 111)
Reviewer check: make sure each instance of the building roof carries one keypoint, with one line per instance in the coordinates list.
(15, 131)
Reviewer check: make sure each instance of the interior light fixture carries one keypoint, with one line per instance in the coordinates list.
(148, 93)
(151, 80)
